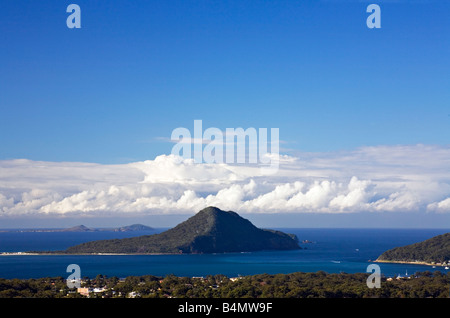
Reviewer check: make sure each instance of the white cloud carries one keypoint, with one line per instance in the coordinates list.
(356, 197)
(384, 178)
(172, 168)
(5, 203)
(397, 201)
(442, 206)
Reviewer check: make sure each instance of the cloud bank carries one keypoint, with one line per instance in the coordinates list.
(368, 179)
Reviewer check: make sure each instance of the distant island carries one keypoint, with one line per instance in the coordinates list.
(211, 230)
(434, 251)
(83, 228)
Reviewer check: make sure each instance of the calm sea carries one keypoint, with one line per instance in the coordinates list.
(330, 250)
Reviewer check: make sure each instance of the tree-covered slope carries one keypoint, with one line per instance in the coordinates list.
(435, 249)
(209, 231)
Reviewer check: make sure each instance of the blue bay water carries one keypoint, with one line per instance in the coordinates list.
(331, 250)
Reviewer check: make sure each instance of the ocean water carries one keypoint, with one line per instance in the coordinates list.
(330, 250)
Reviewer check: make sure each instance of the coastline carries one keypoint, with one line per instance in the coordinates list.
(411, 262)
(69, 254)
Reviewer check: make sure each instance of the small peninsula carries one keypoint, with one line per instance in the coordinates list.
(434, 251)
(211, 230)
(83, 228)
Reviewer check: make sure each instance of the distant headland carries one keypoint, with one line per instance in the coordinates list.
(434, 251)
(83, 228)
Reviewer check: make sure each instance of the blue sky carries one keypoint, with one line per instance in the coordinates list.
(363, 114)
(135, 71)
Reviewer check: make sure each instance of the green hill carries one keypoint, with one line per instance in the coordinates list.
(433, 250)
(78, 228)
(209, 231)
(133, 227)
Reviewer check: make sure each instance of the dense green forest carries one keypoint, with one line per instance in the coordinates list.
(295, 285)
